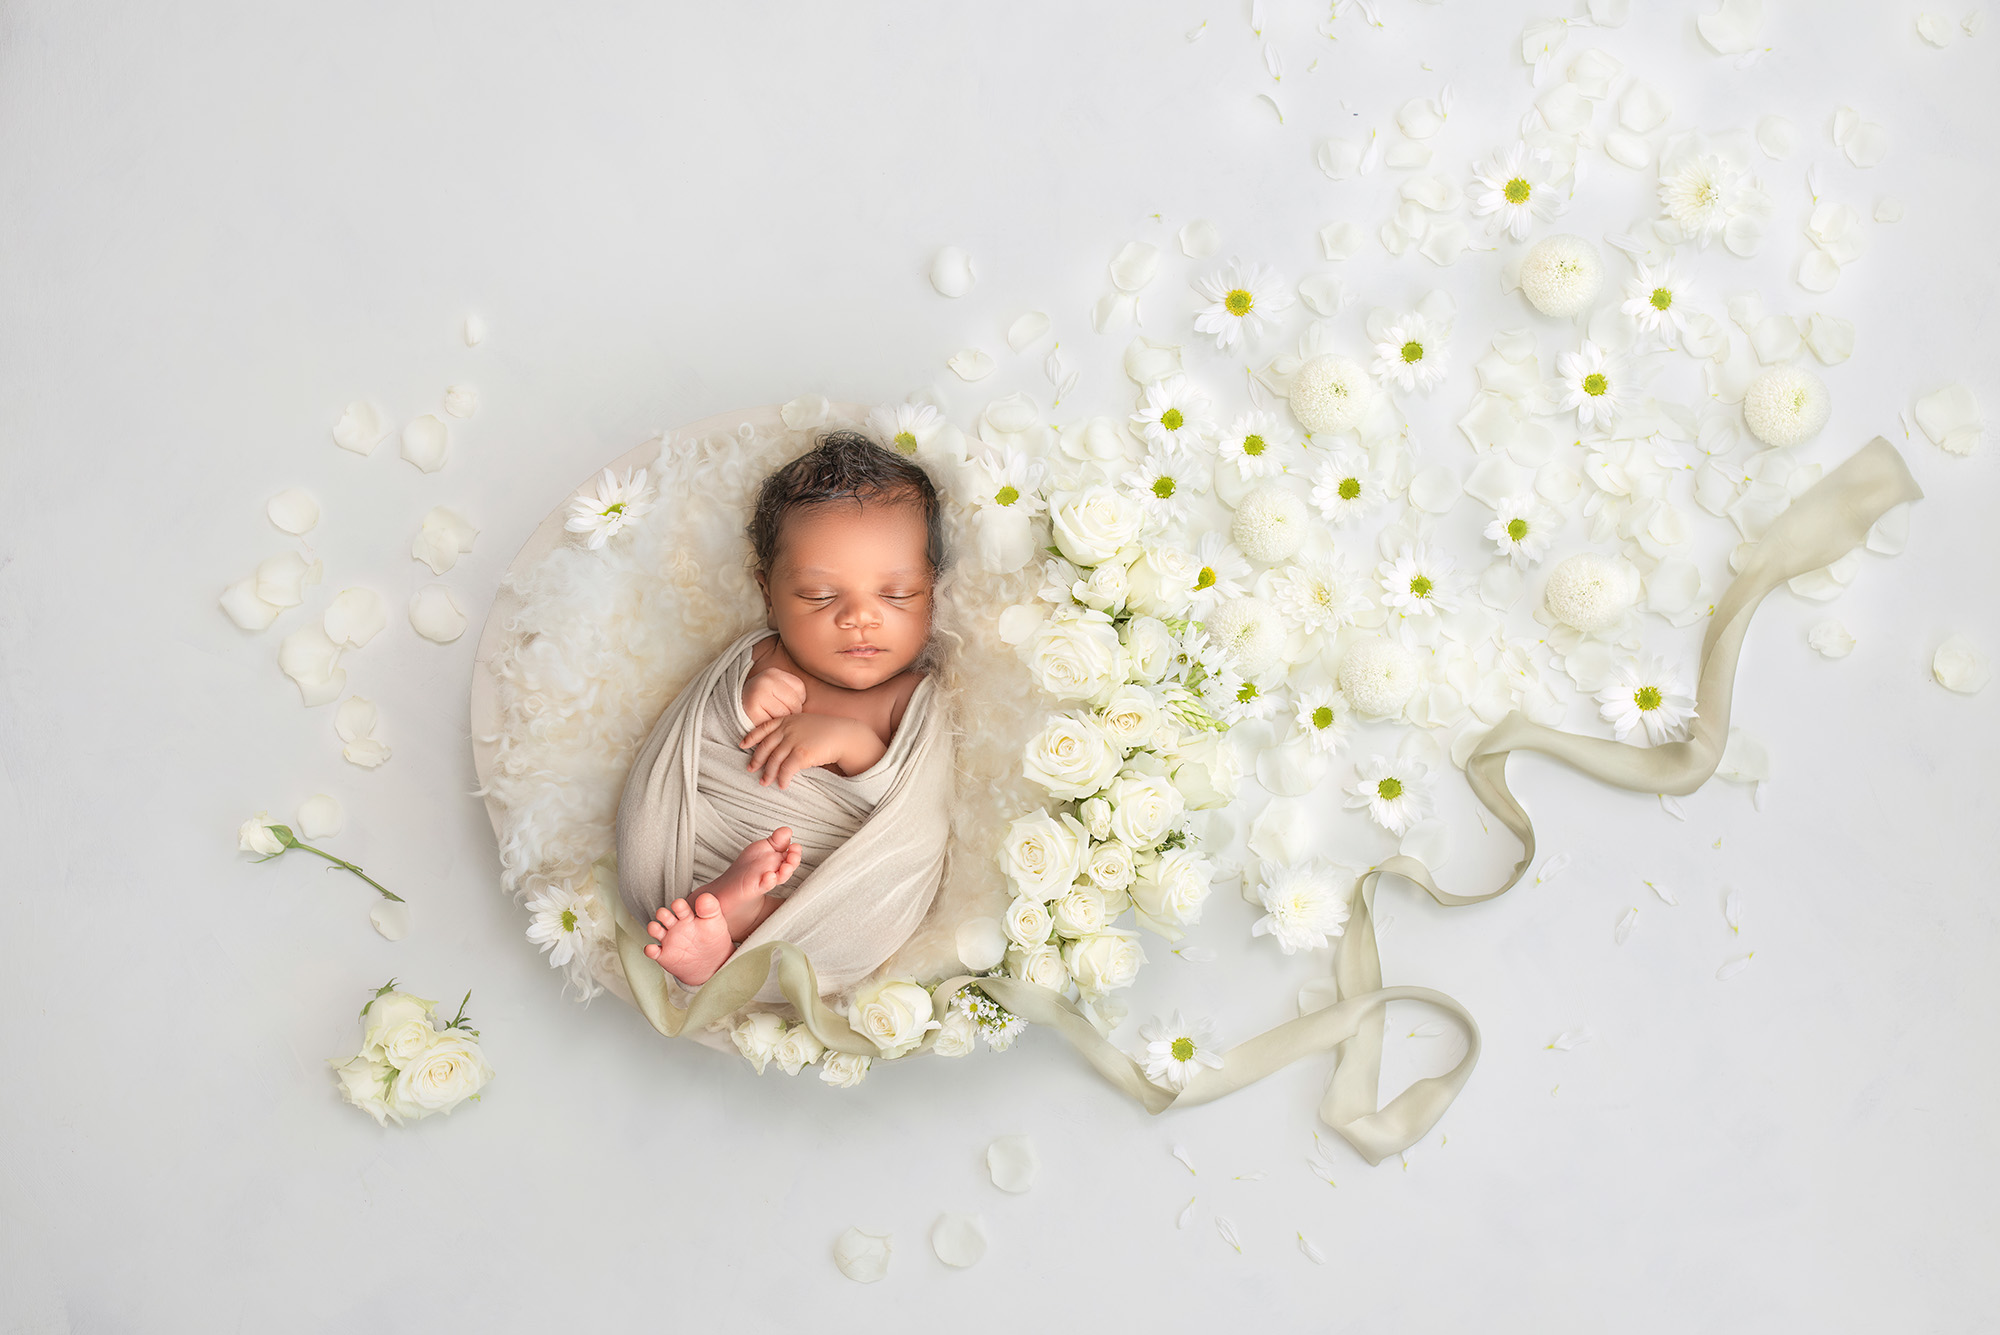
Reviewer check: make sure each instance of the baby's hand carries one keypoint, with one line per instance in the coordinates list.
(773, 693)
(784, 746)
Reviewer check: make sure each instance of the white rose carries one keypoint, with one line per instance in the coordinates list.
(1076, 657)
(1104, 960)
(954, 1036)
(1207, 772)
(1143, 808)
(1072, 757)
(1106, 588)
(1027, 921)
(1017, 623)
(844, 1070)
(448, 1072)
(1131, 716)
(1110, 866)
(757, 1036)
(255, 835)
(363, 1083)
(1149, 648)
(1041, 965)
(1080, 912)
(894, 1015)
(392, 1015)
(1043, 853)
(797, 1050)
(1170, 891)
(1091, 525)
(1003, 537)
(1161, 581)
(1116, 902)
(1096, 814)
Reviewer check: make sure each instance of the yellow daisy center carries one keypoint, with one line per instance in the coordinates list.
(1006, 496)
(1323, 716)
(1171, 419)
(1205, 578)
(1163, 487)
(1183, 1049)
(1238, 302)
(1349, 488)
(1413, 351)
(1253, 445)
(1595, 384)
(1420, 585)
(1517, 190)
(1389, 789)
(569, 920)
(1662, 298)
(1517, 529)
(906, 442)
(1647, 697)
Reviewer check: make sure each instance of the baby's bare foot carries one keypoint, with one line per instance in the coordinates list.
(763, 864)
(690, 944)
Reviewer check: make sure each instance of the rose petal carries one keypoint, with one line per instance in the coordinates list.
(1029, 326)
(1732, 28)
(461, 400)
(1592, 73)
(1339, 158)
(245, 608)
(1405, 155)
(293, 510)
(1830, 639)
(1628, 150)
(958, 1239)
(862, 1257)
(1445, 242)
(1936, 29)
(1435, 490)
(1950, 417)
(1888, 209)
(1292, 768)
(1420, 118)
(367, 752)
(1959, 666)
(1867, 145)
(1817, 271)
(805, 412)
(1112, 310)
(426, 441)
(1282, 832)
(1340, 240)
(1564, 109)
(445, 536)
(1830, 337)
(434, 614)
(1013, 1163)
(1200, 239)
(475, 331)
(360, 428)
(1775, 339)
(355, 617)
(1744, 759)
(355, 719)
(981, 943)
(1147, 361)
(1778, 137)
(309, 658)
(971, 364)
(281, 579)
(951, 272)
(391, 919)
(321, 815)
(1324, 294)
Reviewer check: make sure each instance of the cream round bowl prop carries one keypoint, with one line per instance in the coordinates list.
(1590, 591)
(1562, 275)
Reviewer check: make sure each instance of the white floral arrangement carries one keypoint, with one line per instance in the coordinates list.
(410, 1066)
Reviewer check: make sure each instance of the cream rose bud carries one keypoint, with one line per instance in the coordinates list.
(391, 1016)
(1131, 715)
(1207, 772)
(1143, 808)
(1041, 965)
(797, 1050)
(1096, 814)
(1110, 865)
(1027, 921)
(1105, 589)
(1170, 891)
(1073, 757)
(1161, 582)
(954, 1035)
(1091, 525)
(894, 1015)
(1104, 960)
(256, 835)
(363, 1083)
(447, 1073)
(844, 1070)
(1080, 912)
(1149, 648)
(1043, 853)
(757, 1036)
(1076, 654)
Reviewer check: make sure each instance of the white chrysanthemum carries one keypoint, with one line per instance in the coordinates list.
(1521, 529)
(1270, 523)
(1173, 414)
(1418, 581)
(1318, 594)
(1324, 717)
(1234, 696)
(1393, 792)
(1219, 572)
(1303, 905)
(1514, 191)
(1594, 382)
(1004, 478)
(1787, 405)
(1412, 355)
(1378, 676)
(561, 923)
(1346, 487)
(1240, 301)
(1176, 1050)
(906, 428)
(1250, 631)
(1163, 482)
(616, 504)
(1561, 275)
(1590, 591)
(1656, 299)
(1648, 697)
(1701, 194)
(1256, 445)
(1332, 394)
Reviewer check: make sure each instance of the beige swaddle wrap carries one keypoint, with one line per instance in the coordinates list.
(872, 845)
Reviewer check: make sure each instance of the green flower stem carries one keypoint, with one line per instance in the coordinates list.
(291, 841)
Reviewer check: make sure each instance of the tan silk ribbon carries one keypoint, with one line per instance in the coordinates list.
(1819, 527)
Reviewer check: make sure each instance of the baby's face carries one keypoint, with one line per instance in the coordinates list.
(850, 574)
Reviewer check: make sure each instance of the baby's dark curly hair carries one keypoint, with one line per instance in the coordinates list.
(845, 465)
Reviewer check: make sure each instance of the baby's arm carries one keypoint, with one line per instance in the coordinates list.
(773, 693)
(781, 747)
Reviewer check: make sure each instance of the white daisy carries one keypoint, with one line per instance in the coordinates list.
(1656, 299)
(905, 427)
(1007, 479)
(1163, 482)
(1304, 905)
(1596, 382)
(1647, 696)
(1219, 573)
(1393, 791)
(1701, 194)
(1173, 414)
(561, 923)
(1256, 445)
(1346, 487)
(1176, 1050)
(1240, 301)
(1514, 191)
(1252, 697)
(1219, 690)
(1521, 529)
(1418, 582)
(1319, 594)
(616, 504)
(1411, 354)
(1325, 717)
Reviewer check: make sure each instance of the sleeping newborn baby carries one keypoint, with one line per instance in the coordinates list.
(803, 732)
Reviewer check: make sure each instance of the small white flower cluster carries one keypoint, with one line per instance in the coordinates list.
(409, 1066)
(897, 1015)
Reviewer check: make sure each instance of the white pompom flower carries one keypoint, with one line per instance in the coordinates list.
(1347, 487)
(1521, 529)
(1648, 697)
(1561, 275)
(1270, 523)
(1378, 676)
(1250, 632)
(1590, 591)
(1173, 414)
(1324, 718)
(1595, 382)
(1331, 394)
(1256, 445)
(1394, 792)
(1303, 905)
(1411, 353)
(1418, 582)
(1514, 191)
(1240, 301)
(1787, 405)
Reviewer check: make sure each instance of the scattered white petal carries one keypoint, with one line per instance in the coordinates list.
(1147, 361)
(1200, 239)
(368, 752)
(1199, 31)
(1973, 21)
(1666, 895)
(1936, 29)
(1339, 158)
(1180, 1152)
(1112, 310)
(1732, 911)
(461, 400)
(1817, 271)
(1623, 931)
(355, 718)
(1421, 117)
(293, 510)
(245, 608)
(434, 614)
(1323, 293)
(1744, 759)
(355, 617)
(282, 579)
(1628, 150)
(958, 1239)
(1732, 28)
(1950, 417)
(1830, 639)
(1012, 1161)
(1867, 145)
(1734, 967)
(1272, 102)
(1552, 868)
(1959, 666)
(1571, 1038)
(391, 919)
(951, 272)
(309, 658)
(1339, 241)
(1030, 326)
(1643, 108)
(971, 364)
(1187, 1214)
(1435, 490)
(475, 331)
(862, 1257)
(1313, 1253)
(981, 943)
(1888, 209)
(321, 815)
(360, 428)
(805, 412)
(1831, 338)
(1430, 1029)
(1672, 806)
(444, 537)
(1778, 137)
(1228, 1232)
(1406, 154)
(426, 440)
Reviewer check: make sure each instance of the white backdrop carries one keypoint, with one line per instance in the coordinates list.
(224, 222)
